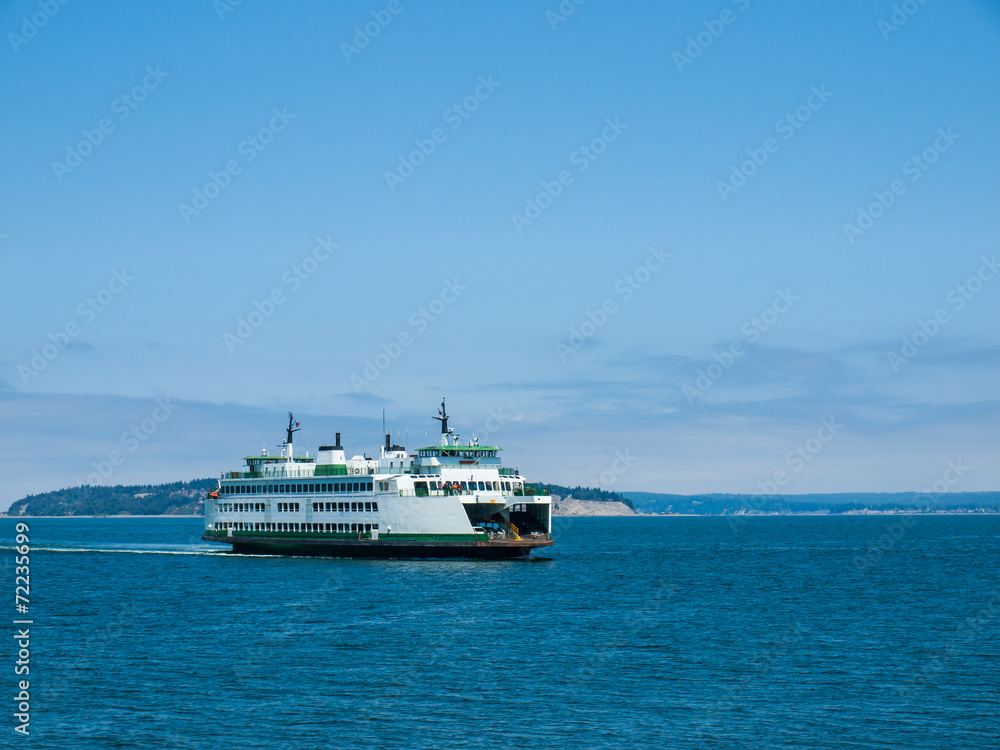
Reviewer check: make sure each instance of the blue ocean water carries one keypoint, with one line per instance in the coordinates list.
(818, 632)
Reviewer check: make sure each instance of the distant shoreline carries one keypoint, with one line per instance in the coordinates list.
(187, 500)
(912, 511)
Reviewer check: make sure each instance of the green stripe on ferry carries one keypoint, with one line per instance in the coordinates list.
(337, 536)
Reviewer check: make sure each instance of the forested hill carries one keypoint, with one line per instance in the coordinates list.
(174, 499)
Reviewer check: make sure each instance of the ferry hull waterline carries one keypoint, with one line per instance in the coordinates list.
(446, 500)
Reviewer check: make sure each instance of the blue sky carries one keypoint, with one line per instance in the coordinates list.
(563, 220)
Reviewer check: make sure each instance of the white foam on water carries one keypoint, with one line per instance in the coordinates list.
(208, 553)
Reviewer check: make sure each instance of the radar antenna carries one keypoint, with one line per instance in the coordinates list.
(443, 418)
(293, 427)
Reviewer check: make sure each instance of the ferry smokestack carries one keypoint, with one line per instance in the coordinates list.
(338, 441)
(387, 442)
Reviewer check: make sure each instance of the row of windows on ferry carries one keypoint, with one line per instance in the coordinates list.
(471, 486)
(469, 453)
(345, 507)
(333, 528)
(364, 485)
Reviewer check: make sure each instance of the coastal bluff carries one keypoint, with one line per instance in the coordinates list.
(572, 506)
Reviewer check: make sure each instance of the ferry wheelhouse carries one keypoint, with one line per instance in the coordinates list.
(446, 500)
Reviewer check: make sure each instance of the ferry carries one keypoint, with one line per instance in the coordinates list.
(445, 500)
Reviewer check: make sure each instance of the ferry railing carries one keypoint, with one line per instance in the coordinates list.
(435, 493)
(449, 492)
(293, 472)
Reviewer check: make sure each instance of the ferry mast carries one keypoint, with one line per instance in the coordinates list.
(442, 417)
(292, 428)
